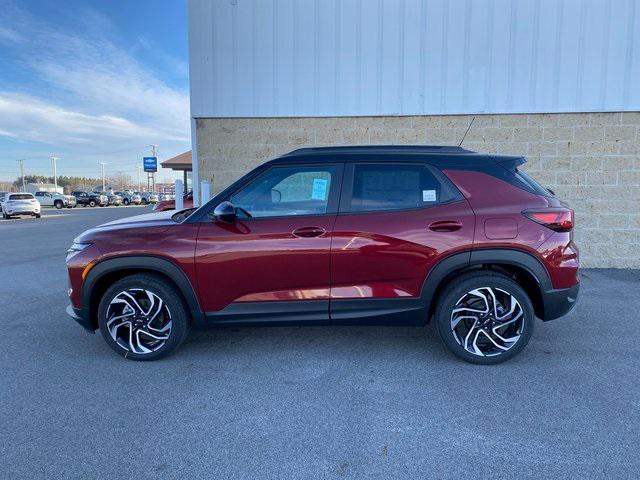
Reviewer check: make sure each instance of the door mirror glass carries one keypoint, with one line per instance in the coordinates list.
(225, 212)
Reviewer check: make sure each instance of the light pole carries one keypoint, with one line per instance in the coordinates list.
(154, 153)
(55, 175)
(103, 184)
(21, 161)
(139, 184)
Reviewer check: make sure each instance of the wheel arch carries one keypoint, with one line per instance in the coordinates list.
(104, 273)
(525, 268)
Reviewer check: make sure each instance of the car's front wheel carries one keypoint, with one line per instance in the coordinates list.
(58, 204)
(143, 318)
(92, 203)
(484, 318)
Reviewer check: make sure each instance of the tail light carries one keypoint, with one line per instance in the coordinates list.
(557, 219)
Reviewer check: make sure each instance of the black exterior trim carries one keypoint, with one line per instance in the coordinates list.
(558, 303)
(271, 313)
(77, 315)
(377, 311)
(149, 263)
(517, 258)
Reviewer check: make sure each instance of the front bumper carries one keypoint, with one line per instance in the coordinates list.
(81, 317)
(559, 302)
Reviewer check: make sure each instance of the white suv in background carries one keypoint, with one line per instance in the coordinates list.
(50, 199)
(21, 203)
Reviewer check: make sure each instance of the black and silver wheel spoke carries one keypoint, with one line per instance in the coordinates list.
(487, 321)
(139, 321)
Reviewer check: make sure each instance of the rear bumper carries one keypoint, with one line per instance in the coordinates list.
(81, 317)
(559, 302)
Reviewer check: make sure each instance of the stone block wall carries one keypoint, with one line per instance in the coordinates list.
(591, 160)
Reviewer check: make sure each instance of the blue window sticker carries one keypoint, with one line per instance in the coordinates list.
(319, 191)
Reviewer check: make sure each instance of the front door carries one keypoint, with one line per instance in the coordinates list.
(273, 262)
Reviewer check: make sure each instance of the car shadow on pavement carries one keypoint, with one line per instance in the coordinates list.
(350, 340)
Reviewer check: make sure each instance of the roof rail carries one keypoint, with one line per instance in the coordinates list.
(381, 148)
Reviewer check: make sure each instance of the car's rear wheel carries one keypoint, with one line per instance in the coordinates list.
(92, 203)
(143, 318)
(484, 318)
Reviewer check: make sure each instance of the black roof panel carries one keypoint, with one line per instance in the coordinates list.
(439, 155)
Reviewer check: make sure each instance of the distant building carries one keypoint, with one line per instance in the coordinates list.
(43, 187)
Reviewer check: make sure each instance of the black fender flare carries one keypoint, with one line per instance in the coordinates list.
(147, 263)
(462, 260)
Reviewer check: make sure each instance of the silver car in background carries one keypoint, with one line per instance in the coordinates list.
(21, 203)
(129, 197)
(148, 197)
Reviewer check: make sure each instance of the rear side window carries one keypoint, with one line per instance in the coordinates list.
(379, 187)
(531, 183)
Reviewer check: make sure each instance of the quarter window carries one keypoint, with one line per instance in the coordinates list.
(397, 187)
(287, 191)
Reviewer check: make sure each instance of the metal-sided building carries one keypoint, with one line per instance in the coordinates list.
(555, 80)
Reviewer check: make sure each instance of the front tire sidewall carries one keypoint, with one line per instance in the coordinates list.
(456, 289)
(179, 315)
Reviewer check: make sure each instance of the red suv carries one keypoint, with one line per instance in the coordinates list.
(339, 235)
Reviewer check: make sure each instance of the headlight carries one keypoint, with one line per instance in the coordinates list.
(77, 247)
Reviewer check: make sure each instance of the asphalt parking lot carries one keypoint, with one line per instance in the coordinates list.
(306, 402)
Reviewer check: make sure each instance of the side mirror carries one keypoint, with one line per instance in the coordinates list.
(225, 212)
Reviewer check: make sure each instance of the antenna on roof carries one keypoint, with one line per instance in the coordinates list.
(465, 133)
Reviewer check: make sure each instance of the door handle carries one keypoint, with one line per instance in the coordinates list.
(309, 232)
(445, 226)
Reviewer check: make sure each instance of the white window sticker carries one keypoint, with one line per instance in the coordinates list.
(428, 195)
(319, 191)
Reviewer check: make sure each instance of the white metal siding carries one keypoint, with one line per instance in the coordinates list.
(402, 57)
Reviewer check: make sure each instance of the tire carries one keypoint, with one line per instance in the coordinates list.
(58, 204)
(518, 319)
(37, 215)
(92, 203)
(119, 339)
(5, 216)
(125, 202)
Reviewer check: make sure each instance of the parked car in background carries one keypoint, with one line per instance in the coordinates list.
(148, 197)
(21, 203)
(171, 204)
(397, 235)
(114, 199)
(89, 198)
(129, 197)
(58, 200)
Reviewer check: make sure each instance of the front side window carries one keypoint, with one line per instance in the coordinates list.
(396, 187)
(287, 191)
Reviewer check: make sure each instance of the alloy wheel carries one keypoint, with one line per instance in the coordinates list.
(487, 321)
(139, 321)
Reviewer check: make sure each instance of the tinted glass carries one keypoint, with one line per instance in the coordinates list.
(21, 196)
(396, 187)
(532, 183)
(287, 191)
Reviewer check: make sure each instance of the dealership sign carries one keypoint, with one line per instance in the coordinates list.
(150, 164)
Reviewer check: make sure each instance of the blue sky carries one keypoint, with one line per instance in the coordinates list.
(92, 81)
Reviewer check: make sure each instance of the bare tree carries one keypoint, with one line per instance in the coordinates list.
(120, 181)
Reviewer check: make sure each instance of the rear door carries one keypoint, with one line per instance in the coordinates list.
(395, 221)
(273, 262)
